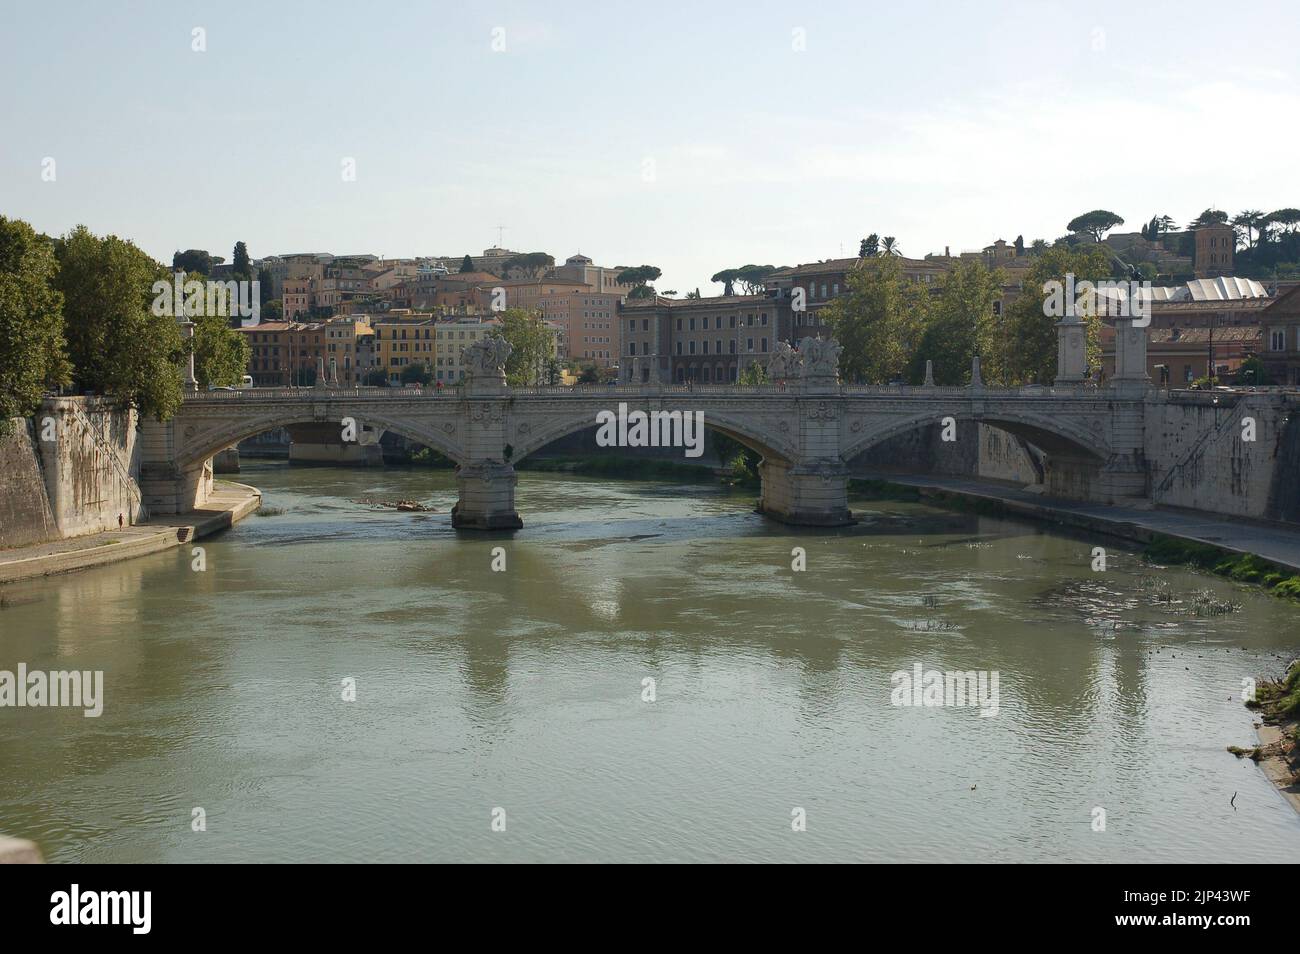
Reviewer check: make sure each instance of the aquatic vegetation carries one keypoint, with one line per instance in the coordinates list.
(1239, 567)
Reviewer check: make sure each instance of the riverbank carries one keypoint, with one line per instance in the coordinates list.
(229, 503)
(1209, 540)
(1278, 752)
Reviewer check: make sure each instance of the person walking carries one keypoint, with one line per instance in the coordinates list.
(120, 521)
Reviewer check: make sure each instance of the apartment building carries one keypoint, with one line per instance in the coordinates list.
(285, 353)
(402, 340)
(705, 340)
(452, 337)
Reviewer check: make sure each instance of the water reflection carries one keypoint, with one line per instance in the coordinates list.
(478, 688)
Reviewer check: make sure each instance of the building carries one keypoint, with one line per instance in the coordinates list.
(452, 337)
(284, 353)
(1177, 356)
(1216, 249)
(603, 281)
(705, 340)
(587, 319)
(400, 340)
(1280, 338)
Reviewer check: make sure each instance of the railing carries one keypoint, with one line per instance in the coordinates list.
(456, 392)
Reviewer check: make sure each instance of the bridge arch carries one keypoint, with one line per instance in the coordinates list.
(1053, 435)
(202, 444)
(748, 433)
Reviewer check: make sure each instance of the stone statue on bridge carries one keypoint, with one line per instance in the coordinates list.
(485, 360)
(819, 358)
(784, 362)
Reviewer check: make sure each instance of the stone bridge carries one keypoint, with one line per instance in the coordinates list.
(807, 427)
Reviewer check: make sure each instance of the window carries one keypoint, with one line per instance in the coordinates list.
(704, 346)
(1277, 340)
(645, 324)
(692, 324)
(679, 347)
(763, 342)
(692, 347)
(631, 348)
(732, 349)
(749, 344)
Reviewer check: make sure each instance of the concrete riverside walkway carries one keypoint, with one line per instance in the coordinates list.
(1279, 544)
(229, 503)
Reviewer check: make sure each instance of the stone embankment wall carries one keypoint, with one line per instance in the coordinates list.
(1202, 457)
(69, 471)
(25, 514)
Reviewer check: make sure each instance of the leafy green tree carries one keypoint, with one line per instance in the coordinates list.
(694, 294)
(195, 260)
(32, 355)
(960, 324)
(220, 352)
(728, 278)
(589, 375)
(530, 264)
(375, 378)
(241, 267)
(1022, 341)
(869, 247)
(1208, 217)
(1252, 371)
(879, 322)
(639, 278)
(1096, 223)
(753, 374)
(754, 277)
(466, 265)
(532, 343)
(273, 310)
(264, 286)
(417, 372)
(118, 345)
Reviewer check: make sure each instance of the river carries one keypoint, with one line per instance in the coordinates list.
(520, 697)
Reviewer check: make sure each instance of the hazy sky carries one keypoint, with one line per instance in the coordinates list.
(692, 136)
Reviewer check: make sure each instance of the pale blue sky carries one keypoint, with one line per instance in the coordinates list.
(941, 123)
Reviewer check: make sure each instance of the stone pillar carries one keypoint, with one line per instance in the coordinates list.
(1071, 351)
(191, 382)
(1130, 357)
(929, 373)
(976, 379)
(814, 494)
(487, 497)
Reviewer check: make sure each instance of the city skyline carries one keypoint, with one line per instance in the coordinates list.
(782, 147)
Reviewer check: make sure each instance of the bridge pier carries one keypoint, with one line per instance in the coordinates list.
(487, 497)
(809, 495)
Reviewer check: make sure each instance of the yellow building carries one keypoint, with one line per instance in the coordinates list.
(400, 341)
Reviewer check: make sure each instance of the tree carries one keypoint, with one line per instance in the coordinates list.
(117, 343)
(1253, 371)
(466, 265)
(241, 268)
(417, 372)
(960, 324)
(221, 353)
(869, 247)
(694, 294)
(273, 310)
(1020, 246)
(589, 375)
(375, 378)
(32, 354)
(639, 278)
(1208, 217)
(754, 277)
(265, 283)
(529, 265)
(879, 322)
(532, 343)
(195, 260)
(1096, 223)
(728, 277)
(1021, 342)
(889, 246)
